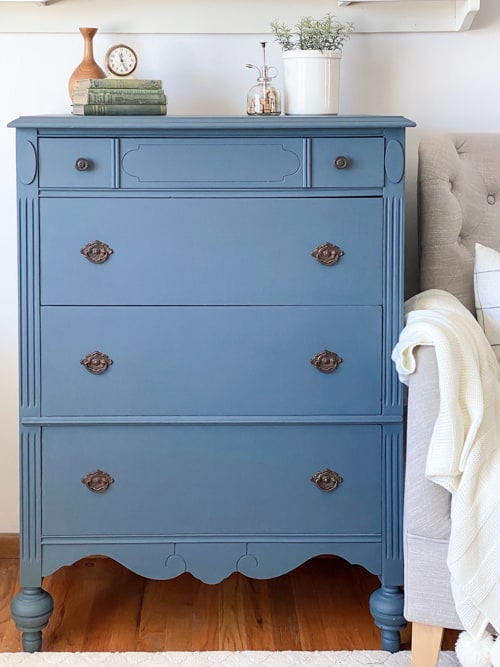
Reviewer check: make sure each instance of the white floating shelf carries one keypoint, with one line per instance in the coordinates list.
(230, 17)
(417, 15)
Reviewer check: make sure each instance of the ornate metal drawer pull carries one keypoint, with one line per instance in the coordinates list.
(327, 480)
(96, 362)
(327, 254)
(341, 162)
(326, 361)
(98, 481)
(96, 252)
(82, 164)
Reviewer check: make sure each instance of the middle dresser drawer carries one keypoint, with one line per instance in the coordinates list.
(211, 251)
(210, 360)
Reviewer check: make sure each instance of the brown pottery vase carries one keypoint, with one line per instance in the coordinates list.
(88, 68)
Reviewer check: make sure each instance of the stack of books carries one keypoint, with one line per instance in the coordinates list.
(119, 97)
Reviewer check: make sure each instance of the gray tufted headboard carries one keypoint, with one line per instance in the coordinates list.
(459, 205)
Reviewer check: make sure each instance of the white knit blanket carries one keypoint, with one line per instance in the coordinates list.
(464, 452)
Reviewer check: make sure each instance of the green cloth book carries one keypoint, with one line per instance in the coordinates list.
(119, 96)
(151, 84)
(120, 109)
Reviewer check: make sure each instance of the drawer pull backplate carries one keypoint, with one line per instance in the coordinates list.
(327, 254)
(96, 252)
(98, 481)
(326, 361)
(96, 362)
(327, 480)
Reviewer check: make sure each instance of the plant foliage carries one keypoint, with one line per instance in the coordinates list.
(326, 34)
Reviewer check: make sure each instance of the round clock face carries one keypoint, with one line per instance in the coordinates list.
(120, 60)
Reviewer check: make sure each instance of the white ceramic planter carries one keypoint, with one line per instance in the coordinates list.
(311, 82)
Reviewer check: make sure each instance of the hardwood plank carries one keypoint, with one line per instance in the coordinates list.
(231, 626)
(178, 613)
(153, 619)
(283, 613)
(206, 617)
(258, 619)
(307, 594)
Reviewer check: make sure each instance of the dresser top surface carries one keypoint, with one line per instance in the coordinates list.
(211, 123)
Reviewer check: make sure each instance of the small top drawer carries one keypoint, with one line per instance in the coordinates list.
(76, 163)
(207, 163)
(348, 163)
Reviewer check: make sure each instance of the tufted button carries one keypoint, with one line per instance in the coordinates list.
(491, 199)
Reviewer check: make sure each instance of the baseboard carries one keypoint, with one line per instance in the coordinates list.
(9, 545)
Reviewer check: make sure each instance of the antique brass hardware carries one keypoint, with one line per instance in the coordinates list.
(341, 162)
(82, 164)
(327, 254)
(326, 361)
(96, 252)
(96, 362)
(327, 480)
(98, 481)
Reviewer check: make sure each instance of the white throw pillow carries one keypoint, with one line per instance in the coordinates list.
(487, 293)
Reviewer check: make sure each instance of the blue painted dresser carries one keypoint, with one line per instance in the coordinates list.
(207, 311)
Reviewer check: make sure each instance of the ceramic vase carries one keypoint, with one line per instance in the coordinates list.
(88, 68)
(311, 82)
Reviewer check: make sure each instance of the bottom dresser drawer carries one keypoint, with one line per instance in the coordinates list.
(210, 479)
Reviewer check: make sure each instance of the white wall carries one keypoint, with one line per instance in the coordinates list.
(442, 81)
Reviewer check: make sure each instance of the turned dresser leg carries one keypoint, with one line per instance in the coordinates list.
(31, 610)
(386, 607)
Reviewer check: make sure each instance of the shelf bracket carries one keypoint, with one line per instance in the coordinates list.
(466, 12)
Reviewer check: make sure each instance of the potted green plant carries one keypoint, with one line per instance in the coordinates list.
(312, 51)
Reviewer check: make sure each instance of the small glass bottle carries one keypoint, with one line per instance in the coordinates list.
(263, 98)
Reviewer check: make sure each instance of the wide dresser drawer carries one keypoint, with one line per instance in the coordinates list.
(211, 360)
(210, 480)
(211, 251)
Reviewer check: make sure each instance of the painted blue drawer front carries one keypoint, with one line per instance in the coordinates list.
(241, 480)
(206, 312)
(182, 251)
(360, 166)
(211, 360)
(234, 163)
(58, 163)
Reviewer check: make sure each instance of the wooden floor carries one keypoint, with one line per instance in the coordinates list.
(101, 606)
